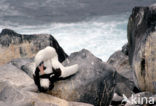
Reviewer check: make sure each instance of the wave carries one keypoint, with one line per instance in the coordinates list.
(101, 35)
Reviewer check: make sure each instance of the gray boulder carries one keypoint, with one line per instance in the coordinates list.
(120, 61)
(124, 86)
(24, 64)
(14, 45)
(125, 81)
(11, 95)
(142, 46)
(15, 76)
(19, 62)
(18, 89)
(94, 83)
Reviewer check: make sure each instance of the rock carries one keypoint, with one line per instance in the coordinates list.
(125, 81)
(18, 89)
(14, 45)
(10, 94)
(124, 86)
(125, 49)
(116, 97)
(19, 62)
(120, 61)
(142, 46)
(79, 104)
(94, 83)
(15, 76)
(116, 101)
(28, 68)
(15, 96)
(3, 104)
(24, 64)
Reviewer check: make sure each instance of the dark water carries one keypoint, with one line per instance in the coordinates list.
(32, 12)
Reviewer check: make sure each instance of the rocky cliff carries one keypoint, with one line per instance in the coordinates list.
(142, 46)
(137, 59)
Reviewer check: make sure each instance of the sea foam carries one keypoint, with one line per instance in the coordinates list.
(101, 35)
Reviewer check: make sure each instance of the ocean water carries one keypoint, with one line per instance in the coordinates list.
(102, 35)
(97, 25)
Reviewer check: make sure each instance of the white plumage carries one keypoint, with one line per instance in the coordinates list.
(45, 54)
(45, 83)
(50, 58)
